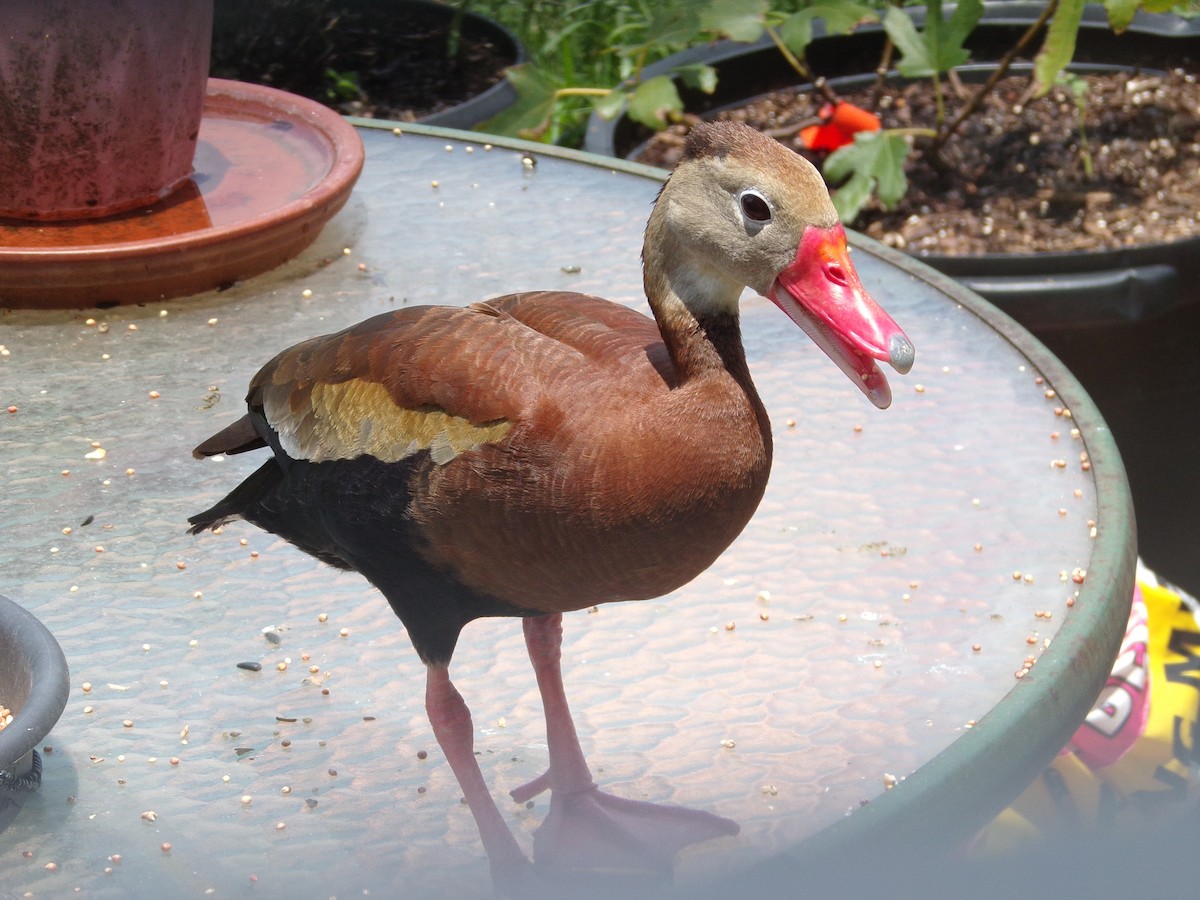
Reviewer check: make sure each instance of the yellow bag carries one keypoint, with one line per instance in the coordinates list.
(1135, 762)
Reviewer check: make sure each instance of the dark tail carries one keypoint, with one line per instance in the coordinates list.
(246, 495)
(236, 438)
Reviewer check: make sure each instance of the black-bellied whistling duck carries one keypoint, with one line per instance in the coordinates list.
(546, 452)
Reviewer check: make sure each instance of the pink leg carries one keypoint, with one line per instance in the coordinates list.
(586, 829)
(568, 769)
(451, 721)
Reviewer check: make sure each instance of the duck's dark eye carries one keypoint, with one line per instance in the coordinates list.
(755, 207)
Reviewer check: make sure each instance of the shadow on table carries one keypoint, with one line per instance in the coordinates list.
(50, 803)
(1160, 862)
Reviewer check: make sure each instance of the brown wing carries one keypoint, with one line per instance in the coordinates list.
(444, 379)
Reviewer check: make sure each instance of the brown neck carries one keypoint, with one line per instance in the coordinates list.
(695, 303)
(709, 348)
(704, 346)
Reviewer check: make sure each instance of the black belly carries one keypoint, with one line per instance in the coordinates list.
(353, 514)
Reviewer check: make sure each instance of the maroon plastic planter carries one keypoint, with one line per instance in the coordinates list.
(99, 105)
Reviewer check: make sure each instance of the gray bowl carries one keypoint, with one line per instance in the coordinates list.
(34, 683)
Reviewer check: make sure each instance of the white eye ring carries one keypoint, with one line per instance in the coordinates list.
(756, 210)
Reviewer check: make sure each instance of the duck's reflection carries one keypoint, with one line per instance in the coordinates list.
(587, 832)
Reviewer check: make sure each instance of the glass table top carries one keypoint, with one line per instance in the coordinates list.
(923, 589)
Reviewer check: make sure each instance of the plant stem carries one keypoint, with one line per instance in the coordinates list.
(885, 64)
(1085, 150)
(881, 73)
(1002, 68)
(802, 70)
(939, 101)
(582, 92)
(1079, 88)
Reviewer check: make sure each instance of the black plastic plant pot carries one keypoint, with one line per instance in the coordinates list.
(499, 97)
(746, 70)
(1124, 321)
(34, 683)
(237, 25)
(1049, 293)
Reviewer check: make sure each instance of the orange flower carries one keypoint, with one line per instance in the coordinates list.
(842, 122)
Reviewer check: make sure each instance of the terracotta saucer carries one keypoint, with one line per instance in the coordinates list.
(271, 169)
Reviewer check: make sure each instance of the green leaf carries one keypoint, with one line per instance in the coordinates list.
(842, 18)
(740, 20)
(530, 114)
(651, 102)
(611, 105)
(873, 164)
(674, 24)
(939, 47)
(850, 199)
(1059, 46)
(892, 183)
(1121, 13)
(796, 32)
(966, 16)
(698, 76)
(1158, 6)
(915, 60)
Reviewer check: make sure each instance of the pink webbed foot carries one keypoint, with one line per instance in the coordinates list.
(587, 830)
(590, 832)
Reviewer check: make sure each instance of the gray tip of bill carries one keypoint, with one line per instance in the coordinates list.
(901, 354)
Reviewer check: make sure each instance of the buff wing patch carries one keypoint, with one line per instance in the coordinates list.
(353, 418)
